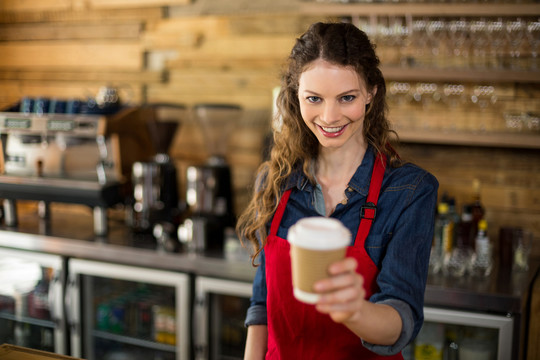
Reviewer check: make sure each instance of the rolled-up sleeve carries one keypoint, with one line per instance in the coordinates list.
(256, 313)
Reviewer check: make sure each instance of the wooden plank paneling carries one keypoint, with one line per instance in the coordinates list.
(132, 77)
(70, 31)
(247, 87)
(241, 48)
(134, 3)
(184, 32)
(34, 5)
(80, 15)
(104, 55)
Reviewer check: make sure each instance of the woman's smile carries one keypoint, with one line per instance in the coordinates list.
(333, 131)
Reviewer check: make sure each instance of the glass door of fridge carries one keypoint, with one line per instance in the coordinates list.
(31, 293)
(220, 311)
(126, 312)
(452, 335)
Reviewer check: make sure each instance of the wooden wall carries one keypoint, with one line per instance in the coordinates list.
(184, 52)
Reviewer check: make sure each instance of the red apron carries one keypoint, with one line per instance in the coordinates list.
(297, 330)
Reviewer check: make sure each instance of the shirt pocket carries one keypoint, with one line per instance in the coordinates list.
(376, 246)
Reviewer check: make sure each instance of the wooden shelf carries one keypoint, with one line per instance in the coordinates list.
(509, 140)
(419, 9)
(488, 75)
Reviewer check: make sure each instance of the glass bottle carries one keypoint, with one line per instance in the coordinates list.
(429, 342)
(461, 254)
(482, 261)
(477, 208)
(451, 345)
(441, 238)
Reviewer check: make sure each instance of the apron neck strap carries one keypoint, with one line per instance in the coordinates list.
(279, 212)
(369, 209)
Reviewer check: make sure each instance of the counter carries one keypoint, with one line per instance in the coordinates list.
(69, 232)
(71, 235)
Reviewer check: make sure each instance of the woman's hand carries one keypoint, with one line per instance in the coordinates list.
(342, 294)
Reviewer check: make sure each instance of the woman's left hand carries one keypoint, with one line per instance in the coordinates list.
(342, 294)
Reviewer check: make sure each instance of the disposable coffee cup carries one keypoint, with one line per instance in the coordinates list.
(316, 242)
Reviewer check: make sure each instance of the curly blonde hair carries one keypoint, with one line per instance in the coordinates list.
(295, 146)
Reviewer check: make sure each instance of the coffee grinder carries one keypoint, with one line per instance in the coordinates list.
(209, 193)
(155, 185)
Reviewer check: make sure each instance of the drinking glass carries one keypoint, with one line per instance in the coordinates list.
(484, 98)
(436, 35)
(479, 43)
(522, 250)
(516, 34)
(533, 38)
(454, 98)
(428, 96)
(458, 33)
(399, 99)
(419, 42)
(497, 43)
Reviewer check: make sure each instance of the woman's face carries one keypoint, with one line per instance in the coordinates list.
(333, 103)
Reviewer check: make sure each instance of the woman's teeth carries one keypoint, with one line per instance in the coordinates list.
(332, 129)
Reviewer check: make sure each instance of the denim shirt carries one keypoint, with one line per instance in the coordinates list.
(399, 241)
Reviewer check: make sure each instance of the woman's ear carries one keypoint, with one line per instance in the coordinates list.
(371, 94)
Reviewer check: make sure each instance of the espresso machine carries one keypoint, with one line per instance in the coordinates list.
(209, 192)
(73, 156)
(156, 205)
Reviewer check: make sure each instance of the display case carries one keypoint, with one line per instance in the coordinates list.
(31, 292)
(117, 311)
(452, 334)
(220, 312)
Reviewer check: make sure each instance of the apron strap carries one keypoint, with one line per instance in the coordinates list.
(369, 209)
(279, 212)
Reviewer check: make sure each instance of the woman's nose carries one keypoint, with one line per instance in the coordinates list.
(330, 113)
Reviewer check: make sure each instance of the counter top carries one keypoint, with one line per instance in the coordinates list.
(71, 235)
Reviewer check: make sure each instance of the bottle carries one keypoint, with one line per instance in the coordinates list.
(477, 209)
(451, 344)
(482, 261)
(429, 342)
(440, 235)
(462, 252)
(447, 235)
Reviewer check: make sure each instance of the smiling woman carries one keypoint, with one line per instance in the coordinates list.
(331, 157)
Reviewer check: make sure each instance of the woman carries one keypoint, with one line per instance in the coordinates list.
(331, 157)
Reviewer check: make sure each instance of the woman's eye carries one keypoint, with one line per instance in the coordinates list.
(348, 98)
(313, 99)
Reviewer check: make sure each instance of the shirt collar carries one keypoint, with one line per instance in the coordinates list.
(359, 182)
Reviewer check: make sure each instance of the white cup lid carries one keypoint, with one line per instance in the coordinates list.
(319, 233)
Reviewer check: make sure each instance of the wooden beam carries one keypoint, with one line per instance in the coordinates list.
(35, 5)
(137, 77)
(80, 15)
(70, 31)
(115, 4)
(184, 32)
(104, 55)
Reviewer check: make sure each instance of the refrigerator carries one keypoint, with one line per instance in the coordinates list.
(454, 334)
(220, 311)
(124, 312)
(31, 295)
